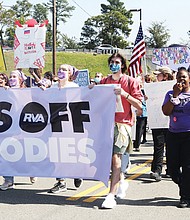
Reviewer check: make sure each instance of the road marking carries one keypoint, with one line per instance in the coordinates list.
(105, 191)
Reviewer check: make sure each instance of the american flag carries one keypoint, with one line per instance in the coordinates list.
(139, 50)
(26, 31)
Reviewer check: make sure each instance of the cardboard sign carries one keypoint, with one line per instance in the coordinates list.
(29, 47)
(173, 57)
(83, 78)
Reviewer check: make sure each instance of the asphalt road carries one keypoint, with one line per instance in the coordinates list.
(146, 199)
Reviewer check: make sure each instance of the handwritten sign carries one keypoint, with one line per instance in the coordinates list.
(156, 93)
(173, 57)
(82, 78)
(29, 47)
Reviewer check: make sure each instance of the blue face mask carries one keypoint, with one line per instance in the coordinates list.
(115, 67)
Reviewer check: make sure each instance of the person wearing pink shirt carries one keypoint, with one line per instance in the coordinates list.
(131, 95)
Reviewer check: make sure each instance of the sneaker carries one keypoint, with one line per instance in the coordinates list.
(7, 185)
(109, 202)
(166, 176)
(152, 175)
(156, 176)
(143, 142)
(183, 203)
(78, 182)
(33, 179)
(123, 186)
(58, 187)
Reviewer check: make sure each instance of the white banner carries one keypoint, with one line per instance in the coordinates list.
(57, 132)
(156, 93)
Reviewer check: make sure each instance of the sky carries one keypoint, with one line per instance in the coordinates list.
(174, 14)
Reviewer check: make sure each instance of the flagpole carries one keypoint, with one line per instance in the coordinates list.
(144, 57)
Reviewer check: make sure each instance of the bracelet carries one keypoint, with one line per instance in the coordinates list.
(127, 96)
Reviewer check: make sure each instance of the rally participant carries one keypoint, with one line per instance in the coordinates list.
(164, 73)
(4, 81)
(177, 106)
(131, 96)
(66, 74)
(16, 80)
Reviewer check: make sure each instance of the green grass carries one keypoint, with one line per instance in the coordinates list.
(93, 62)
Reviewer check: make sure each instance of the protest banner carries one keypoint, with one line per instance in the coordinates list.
(57, 132)
(156, 93)
(2, 60)
(82, 78)
(173, 57)
(29, 45)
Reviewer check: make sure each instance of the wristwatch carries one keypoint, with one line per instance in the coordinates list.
(175, 101)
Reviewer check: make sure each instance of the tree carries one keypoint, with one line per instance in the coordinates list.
(6, 20)
(23, 10)
(10, 31)
(63, 11)
(158, 35)
(111, 27)
(68, 43)
(40, 13)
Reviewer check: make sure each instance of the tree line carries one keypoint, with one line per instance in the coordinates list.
(112, 26)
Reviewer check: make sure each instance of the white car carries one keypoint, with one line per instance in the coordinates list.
(106, 47)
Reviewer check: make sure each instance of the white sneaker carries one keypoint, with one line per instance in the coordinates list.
(7, 185)
(123, 186)
(128, 166)
(33, 179)
(109, 202)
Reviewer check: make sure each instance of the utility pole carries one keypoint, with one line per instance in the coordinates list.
(54, 36)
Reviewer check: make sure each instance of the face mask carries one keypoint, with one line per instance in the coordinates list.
(13, 82)
(97, 80)
(61, 74)
(115, 67)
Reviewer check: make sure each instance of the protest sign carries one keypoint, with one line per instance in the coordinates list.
(29, 46)
(82, 78)
(156, 93)
(57, 132)
(173, 57)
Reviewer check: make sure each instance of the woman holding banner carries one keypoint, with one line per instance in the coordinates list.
(16, 80)
(66, 74)
(177, 106)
